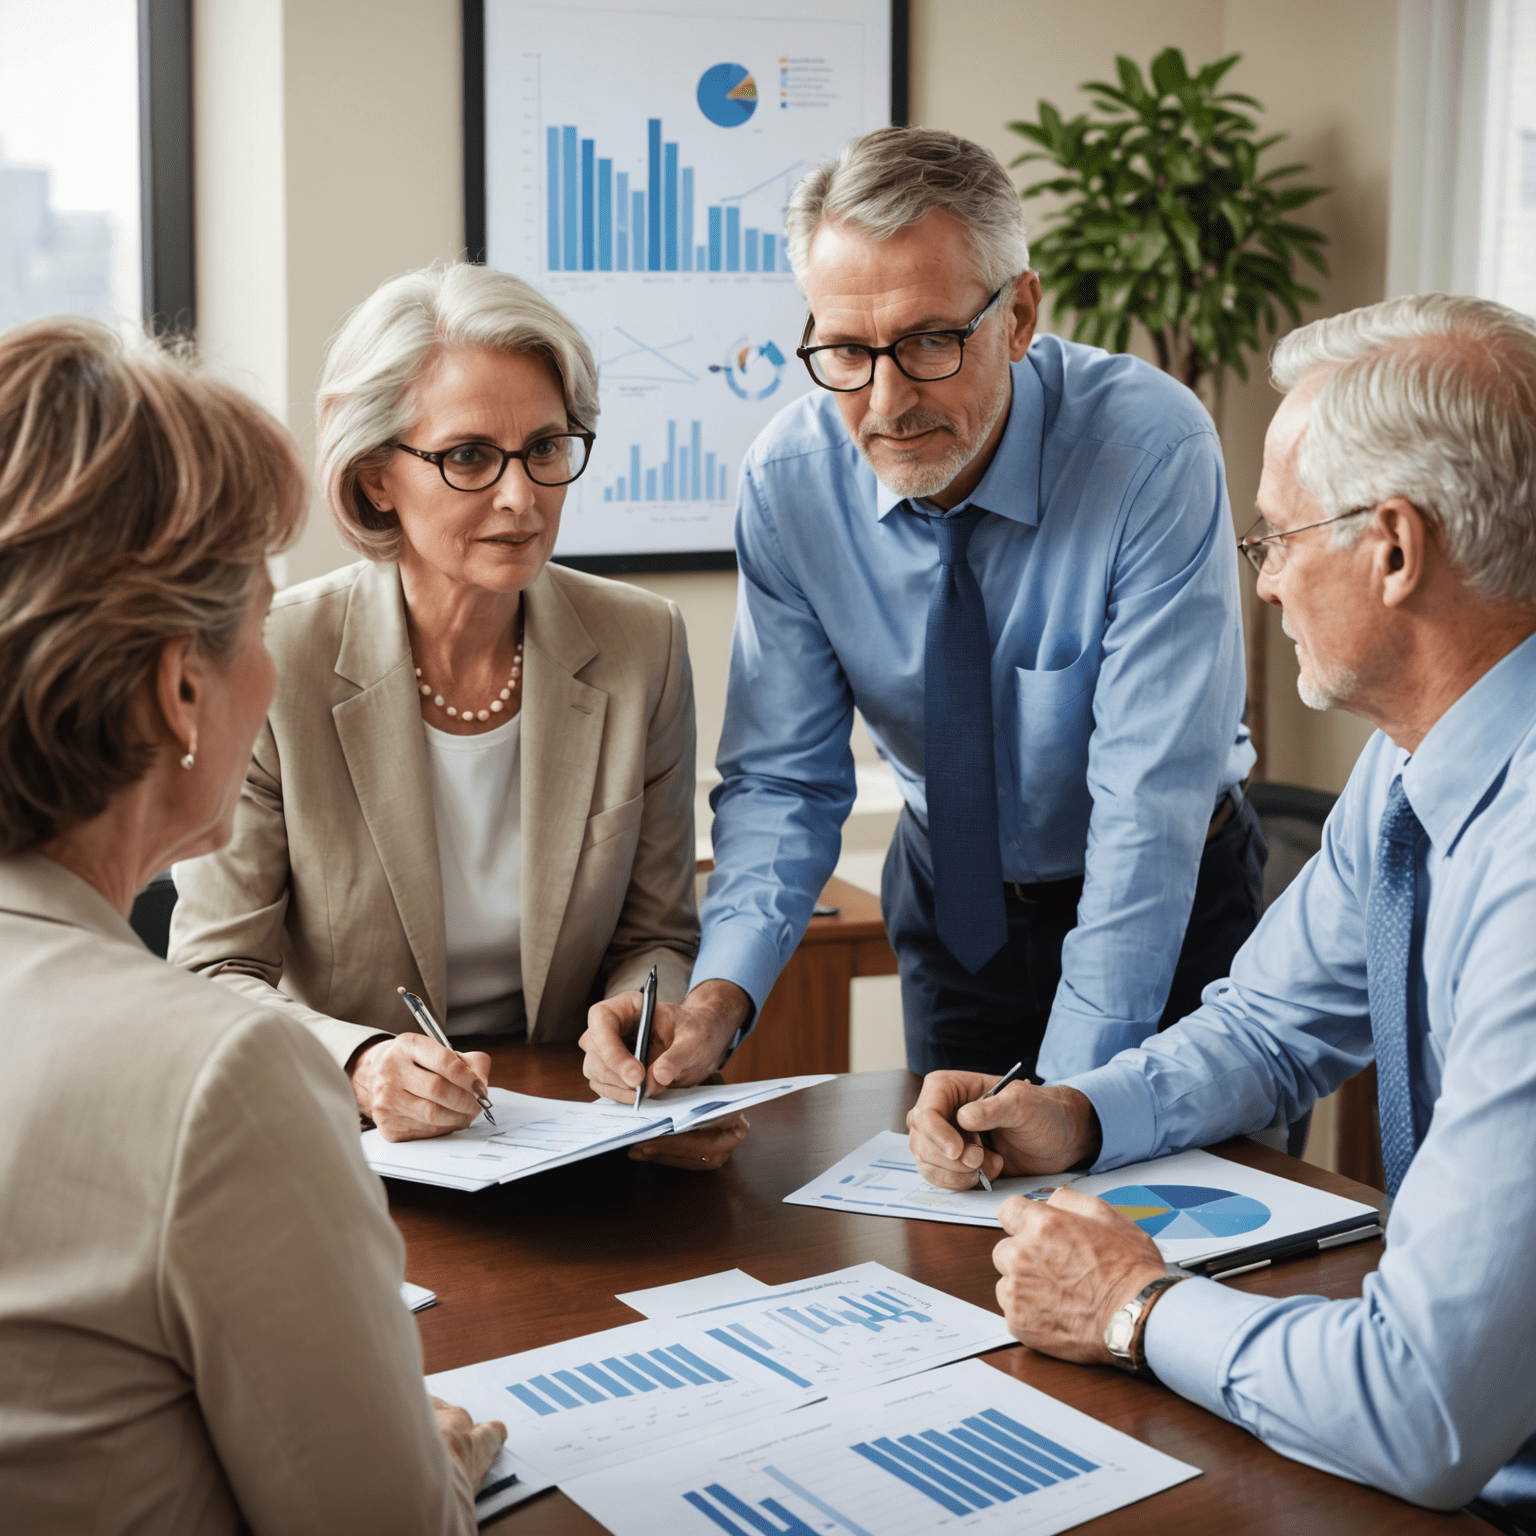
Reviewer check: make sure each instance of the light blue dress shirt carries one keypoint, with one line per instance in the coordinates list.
(1109, 572)
(1425, 1386)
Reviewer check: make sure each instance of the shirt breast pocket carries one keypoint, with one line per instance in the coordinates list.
(1055, 722)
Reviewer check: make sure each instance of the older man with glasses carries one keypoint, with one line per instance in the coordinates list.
(1013, 555)
(1409, 430)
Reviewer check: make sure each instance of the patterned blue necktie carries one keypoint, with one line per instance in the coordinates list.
(1389, 949)
(958, 767)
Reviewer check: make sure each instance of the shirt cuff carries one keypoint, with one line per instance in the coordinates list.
(738, 953)
(1122, 1099)
(1190, 1333)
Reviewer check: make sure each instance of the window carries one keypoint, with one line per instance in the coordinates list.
(69, 161)
(1507, 247)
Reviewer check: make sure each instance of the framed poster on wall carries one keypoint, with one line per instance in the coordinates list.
(633, 160)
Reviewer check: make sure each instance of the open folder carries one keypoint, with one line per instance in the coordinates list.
(532, 1135)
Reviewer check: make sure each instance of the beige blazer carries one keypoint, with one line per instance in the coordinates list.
(201, 1328)
(329, 895)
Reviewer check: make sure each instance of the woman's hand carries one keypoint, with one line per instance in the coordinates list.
(411, 1088)
(473, 1446)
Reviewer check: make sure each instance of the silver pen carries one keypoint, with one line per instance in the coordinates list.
(433, 1030)
(996, 1088)
(643, 1035)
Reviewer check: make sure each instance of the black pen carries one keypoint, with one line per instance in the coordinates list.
(434, 1031)
(643, 1037)
(1014, 1071)
(1353, 1229)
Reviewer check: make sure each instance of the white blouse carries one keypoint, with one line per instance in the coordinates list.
(476, 801)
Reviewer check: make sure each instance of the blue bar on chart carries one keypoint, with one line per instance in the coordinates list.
(602, 1381)
(621, 209)
(588, 206)
(553, 199)
(731, 1341)
(605, 215)
(653, 195)
(685, 472)
(988, 1459)
(600, 219)
(572, 222)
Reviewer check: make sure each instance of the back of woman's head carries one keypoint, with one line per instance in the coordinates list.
(137, 502)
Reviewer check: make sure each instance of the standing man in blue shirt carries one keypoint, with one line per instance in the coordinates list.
(1014, 556)
(1410, 939)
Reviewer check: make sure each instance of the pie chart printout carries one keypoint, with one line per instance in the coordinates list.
(1188, 1210)
(727, 95)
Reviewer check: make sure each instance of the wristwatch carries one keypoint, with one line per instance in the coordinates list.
(1127, 1328)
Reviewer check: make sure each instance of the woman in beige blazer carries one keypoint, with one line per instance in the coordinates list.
(201, 1327)
(476, 779)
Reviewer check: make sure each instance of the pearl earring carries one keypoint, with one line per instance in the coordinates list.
(191, 753)
(188, 760)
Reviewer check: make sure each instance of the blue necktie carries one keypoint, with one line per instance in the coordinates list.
(1389, 947)
(957, 753)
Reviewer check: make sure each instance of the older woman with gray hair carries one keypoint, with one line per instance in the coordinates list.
(476, 779)
(200, 1314)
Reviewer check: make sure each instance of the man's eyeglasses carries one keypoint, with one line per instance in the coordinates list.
(1265, 548)
(555, 459)
(924, 356)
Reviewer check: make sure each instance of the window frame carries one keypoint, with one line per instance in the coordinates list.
(166, 196)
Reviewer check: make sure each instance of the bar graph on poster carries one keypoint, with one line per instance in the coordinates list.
(639, 160)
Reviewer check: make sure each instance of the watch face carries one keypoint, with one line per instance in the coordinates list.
(1121, 1330)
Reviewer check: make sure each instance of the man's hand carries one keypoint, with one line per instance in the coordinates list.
(411, 1088)
(1034, 1130)
(688, 1039)
(473, 1446)
(708, 1147)
(1068, 1265)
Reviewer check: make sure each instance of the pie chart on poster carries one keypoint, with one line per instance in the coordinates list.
(727, 95)
(1188, 1210)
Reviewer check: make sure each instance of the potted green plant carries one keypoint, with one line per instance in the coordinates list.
(1170, 223)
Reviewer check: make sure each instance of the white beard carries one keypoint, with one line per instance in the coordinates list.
(931, 476)
(1331, 690)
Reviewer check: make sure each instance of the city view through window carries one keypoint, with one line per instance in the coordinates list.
(69, 160)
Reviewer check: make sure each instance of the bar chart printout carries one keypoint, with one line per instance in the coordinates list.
(850, 1329)
(607, 1398)
(965, 1442)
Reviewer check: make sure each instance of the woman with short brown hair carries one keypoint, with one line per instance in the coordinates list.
(200, 1320)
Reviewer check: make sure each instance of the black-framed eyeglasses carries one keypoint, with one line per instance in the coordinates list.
(557, 458)
(1266, 551)
(923, 356)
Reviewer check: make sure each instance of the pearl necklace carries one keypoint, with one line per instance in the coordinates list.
(497, 704)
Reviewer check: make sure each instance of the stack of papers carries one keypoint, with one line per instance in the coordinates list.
(532, 1135)
(417, 1297)
(1194, 1206)
(701, 1419)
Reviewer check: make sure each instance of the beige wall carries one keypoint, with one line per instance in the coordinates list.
(329, 156)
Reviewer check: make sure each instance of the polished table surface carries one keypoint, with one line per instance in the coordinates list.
(540, 1260)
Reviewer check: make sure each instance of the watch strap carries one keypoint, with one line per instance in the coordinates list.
(1134, 1357)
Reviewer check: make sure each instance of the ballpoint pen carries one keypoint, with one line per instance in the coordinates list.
(643, 1036)
(433, 1030)
(1014, 1071)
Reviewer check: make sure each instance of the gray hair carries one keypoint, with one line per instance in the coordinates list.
(1432, 398)
(893, 178)
(385, 345)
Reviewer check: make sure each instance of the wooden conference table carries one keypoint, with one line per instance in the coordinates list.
(539, 1261)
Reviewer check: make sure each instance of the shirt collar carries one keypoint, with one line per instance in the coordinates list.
(1011, 485)
(1470, 745)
